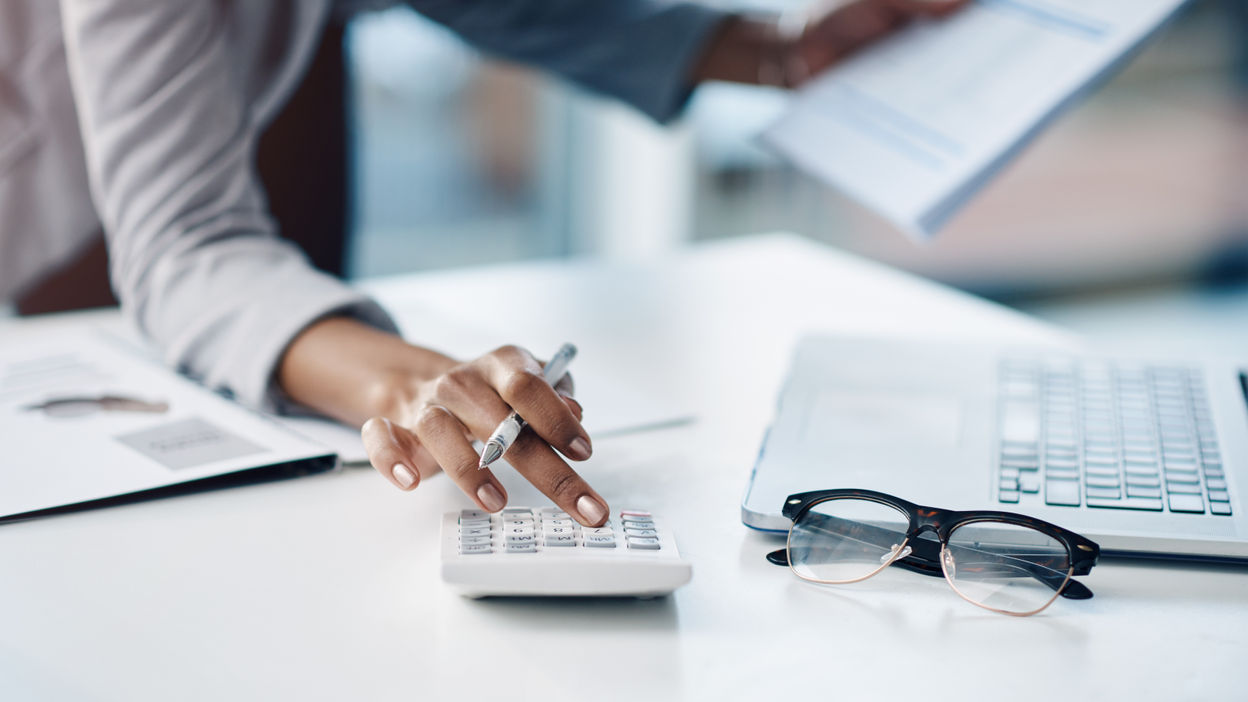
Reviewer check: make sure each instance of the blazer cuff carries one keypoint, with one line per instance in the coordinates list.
(675, 46)
(257, 386)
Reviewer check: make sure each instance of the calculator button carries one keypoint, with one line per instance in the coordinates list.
(526, 547)
(469, 514)
(553, 523)
(475, 541)
(640, 532)
(561, 540)
(600, 540)
(639, 524)
(520, 536)
(601, 531)
(474, 549)
(645, 543)
(517, 510)
(475, 531)
(630, 513)
(559, 530)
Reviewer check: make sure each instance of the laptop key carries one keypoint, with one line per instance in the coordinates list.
(1150, 492)
(1009, 496)
(1061, 492)
(1029, 484)
(1219, 496)
(1194, 504)
(1220, 508)
(1103, 493)
(1182, 488)
(1152, 504)
(1099, 481)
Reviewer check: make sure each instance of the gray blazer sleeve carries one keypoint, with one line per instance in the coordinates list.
(169, 137)
(639, 51)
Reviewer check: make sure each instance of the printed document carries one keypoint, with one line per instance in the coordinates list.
(915, 126)
(82, 419)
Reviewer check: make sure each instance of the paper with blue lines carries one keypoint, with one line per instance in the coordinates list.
(915, 126)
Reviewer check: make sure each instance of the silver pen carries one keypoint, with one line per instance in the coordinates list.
(510, 428)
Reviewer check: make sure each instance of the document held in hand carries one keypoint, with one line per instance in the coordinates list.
(915, 126)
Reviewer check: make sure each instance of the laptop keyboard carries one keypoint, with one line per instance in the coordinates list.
(1110, 435)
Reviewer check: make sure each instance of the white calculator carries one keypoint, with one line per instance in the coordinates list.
(524, 551)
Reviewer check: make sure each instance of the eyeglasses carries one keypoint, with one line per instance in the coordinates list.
(1001, 561)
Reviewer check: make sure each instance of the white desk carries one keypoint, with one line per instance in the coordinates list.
(327, 587)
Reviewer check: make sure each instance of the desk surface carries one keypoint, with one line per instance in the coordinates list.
(327, 587)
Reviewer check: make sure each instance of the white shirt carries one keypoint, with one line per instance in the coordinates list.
(143, 115)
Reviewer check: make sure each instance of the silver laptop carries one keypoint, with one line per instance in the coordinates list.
(1147, 457)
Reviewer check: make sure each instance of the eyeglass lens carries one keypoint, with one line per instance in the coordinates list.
(846, 540)
(1005, 567)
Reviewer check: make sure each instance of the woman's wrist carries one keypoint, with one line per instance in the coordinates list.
(351, 371)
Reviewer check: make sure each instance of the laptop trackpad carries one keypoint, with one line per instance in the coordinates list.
(884, 418)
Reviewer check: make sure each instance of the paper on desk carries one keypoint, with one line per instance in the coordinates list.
(914, 127)
(59, 447)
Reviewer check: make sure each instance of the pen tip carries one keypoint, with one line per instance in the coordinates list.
(492, 452)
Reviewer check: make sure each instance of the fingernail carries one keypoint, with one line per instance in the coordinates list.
(403, 474)
(490, 497)
(590, 509)
(580, 449)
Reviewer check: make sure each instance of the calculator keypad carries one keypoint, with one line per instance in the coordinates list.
(523, 530)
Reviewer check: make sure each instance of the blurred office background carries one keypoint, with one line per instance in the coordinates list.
(1130, 216)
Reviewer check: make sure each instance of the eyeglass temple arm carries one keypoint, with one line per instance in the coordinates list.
(1073, 590)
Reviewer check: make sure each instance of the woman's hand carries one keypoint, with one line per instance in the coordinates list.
(424, 409)
(839, 29)
(786, 54)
